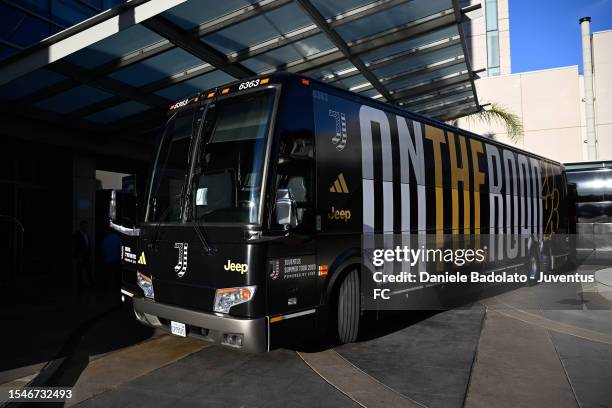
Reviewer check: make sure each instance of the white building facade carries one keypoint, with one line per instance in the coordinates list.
(549, 102)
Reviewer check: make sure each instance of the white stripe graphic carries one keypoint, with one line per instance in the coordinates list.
(405, 207)
(387, 206)
(422, 208)
(368, 205)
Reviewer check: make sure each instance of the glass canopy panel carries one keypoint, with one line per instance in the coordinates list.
(117, 112)
(29, 83)
(391, 18)
(70, 12)
(370, 93)
(201, 83)
(442, 102)
(412, 62)
(332, 71)
(195, 12)
(21, 29)
(289, 53)
(416, 42)
(153, 69)
(6, 52)
(333, 8)
(436, 94)
(350, 82)
(453, 111)
(115, 46)
(73, 99)
(258, 29)
(415, 80)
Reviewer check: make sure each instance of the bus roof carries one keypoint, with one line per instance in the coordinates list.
(284, 76)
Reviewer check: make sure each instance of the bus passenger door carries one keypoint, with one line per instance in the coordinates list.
(292, 265)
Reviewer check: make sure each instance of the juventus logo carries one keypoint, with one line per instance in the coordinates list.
(181, 266)
(339, 139)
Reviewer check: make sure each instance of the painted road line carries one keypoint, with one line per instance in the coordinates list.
(541, 321)
(119, 367)
(517, 365)
(354, 383)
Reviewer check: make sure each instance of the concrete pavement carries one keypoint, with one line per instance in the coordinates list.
(494, 353)
(603, 277)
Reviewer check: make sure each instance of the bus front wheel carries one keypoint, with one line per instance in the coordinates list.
(349, 309)
(533, 268)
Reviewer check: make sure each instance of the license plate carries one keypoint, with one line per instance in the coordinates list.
(178, 328)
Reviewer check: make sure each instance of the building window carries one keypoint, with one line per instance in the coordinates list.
(492, 37)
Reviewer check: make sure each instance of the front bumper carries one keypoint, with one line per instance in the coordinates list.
(207, 326)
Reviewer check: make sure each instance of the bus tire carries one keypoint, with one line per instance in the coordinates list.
(348, 316)
(533, 268)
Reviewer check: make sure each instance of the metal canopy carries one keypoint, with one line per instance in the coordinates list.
(121, 68)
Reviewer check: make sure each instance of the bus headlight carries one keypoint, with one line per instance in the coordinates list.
(146, 284)
(228, 297)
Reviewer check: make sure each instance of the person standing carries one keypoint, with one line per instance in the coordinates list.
(111, 250)
(81, 252)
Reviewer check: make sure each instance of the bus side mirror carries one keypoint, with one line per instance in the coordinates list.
(119, 214)
(286, 209)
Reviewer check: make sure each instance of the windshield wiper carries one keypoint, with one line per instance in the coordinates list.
(186, 194)
(154, 194)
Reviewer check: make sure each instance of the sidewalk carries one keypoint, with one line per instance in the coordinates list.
(603, 277)
(36, 332)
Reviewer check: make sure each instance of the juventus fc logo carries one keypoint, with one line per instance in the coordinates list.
(181, 266)
(339, 139)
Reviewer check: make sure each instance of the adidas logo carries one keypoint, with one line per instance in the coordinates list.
(339, 185)
(142, 260)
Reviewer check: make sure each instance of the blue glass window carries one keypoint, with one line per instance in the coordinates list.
(491, 17)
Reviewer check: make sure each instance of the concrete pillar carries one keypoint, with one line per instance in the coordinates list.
(589, 100)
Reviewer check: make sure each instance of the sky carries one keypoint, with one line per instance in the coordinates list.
(546, 34)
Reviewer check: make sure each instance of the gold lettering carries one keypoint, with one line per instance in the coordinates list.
(479, 179)
(459, 174)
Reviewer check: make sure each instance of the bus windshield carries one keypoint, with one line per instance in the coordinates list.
(227, 174)
(171, 168)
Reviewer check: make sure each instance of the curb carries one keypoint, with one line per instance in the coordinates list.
(604, 285)
(53, 367)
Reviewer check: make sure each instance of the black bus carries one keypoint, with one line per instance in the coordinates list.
(262, 191)
(593, 210)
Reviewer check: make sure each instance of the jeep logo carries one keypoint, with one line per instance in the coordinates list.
(342, 215)
(238, 267)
